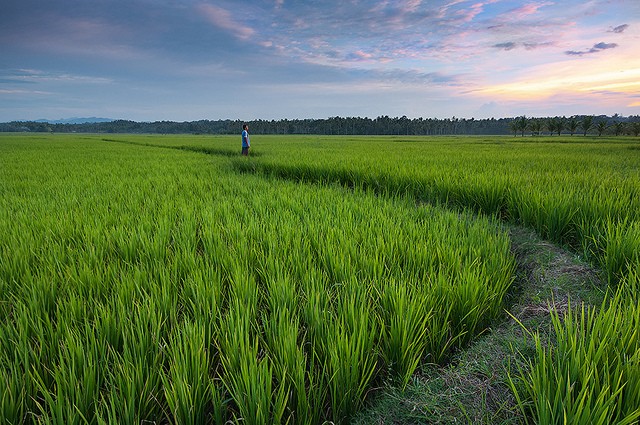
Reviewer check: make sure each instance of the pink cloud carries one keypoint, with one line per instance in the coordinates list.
(528, 10)
(223, 19)
(412, 6)
(469, 14)
(359, 54)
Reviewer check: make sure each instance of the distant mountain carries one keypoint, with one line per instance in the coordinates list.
(76, 120)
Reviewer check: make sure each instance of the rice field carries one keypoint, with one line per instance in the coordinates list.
(165, 279)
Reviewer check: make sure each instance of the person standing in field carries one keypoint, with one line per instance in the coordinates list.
(246, 144)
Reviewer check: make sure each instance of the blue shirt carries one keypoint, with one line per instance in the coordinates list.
(245, 139)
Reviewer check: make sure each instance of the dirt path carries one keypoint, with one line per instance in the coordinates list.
(472, 388)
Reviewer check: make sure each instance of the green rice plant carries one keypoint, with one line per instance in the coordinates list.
(304, 403)
(202, 298)
(484, 193)
(316, 315)
(108, 325)
(440, 335)
(133, 390)
(287, 300)
(186, 383)
(12, 395)
(247, 373)
(590, 376)
(559, 216)
(405, 321)
(351, 358)
(134, 376)
(26, 348)
(618, 249)
(77, 383)
(553, 187)
(15, 355)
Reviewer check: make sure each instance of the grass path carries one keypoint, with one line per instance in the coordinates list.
(473, 387)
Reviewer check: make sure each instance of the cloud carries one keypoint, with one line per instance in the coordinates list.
(533, 46)
(470, 13)
(223, 19)
(620, 28)
(506, 46)
(595, 49)
(25, 92)
(527, 10)
(603, 46)
(412, 76)
(31, 76)
(621, 77)
(359, 55)
(510, 45)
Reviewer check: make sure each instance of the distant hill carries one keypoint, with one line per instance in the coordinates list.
(76, 120)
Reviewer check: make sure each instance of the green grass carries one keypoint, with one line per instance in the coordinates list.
(167, 279)
(147, 284)
(474, 386)
(590, 375)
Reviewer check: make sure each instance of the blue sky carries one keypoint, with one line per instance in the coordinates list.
(186, 60)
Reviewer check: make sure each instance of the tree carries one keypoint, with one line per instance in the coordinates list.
(556, 125)
(635, 128)
(522, 124)
(586, 124)
(535, 124)
(572, 125)
(514, 126)
(561, 123)
(551, 124)
(601, 127)
(618, 128)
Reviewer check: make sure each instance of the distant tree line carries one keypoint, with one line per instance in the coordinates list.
(382, 125)
(587, 124)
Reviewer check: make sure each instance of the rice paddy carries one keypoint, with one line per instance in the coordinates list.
(166, 279)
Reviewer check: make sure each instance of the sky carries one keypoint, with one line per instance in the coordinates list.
(187, 60)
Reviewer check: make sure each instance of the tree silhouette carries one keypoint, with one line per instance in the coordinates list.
(522, 124)
(618, 128)
(586, 124)
(561, 123)
(601, 127)
(572, 125)
(514, 126)
(551, 124)
(535, 125)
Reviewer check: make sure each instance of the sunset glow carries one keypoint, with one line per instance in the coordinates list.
(272, 59)
(576, 81)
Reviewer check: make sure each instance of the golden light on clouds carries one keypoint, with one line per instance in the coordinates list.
(582, 77)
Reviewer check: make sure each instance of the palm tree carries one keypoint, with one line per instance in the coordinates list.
(618, 128)
(551, 124)
(587, 123)
(561, 124)
(572, 125)
(535, 125)
(601, 126)
(513, 126)
(522, 124)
